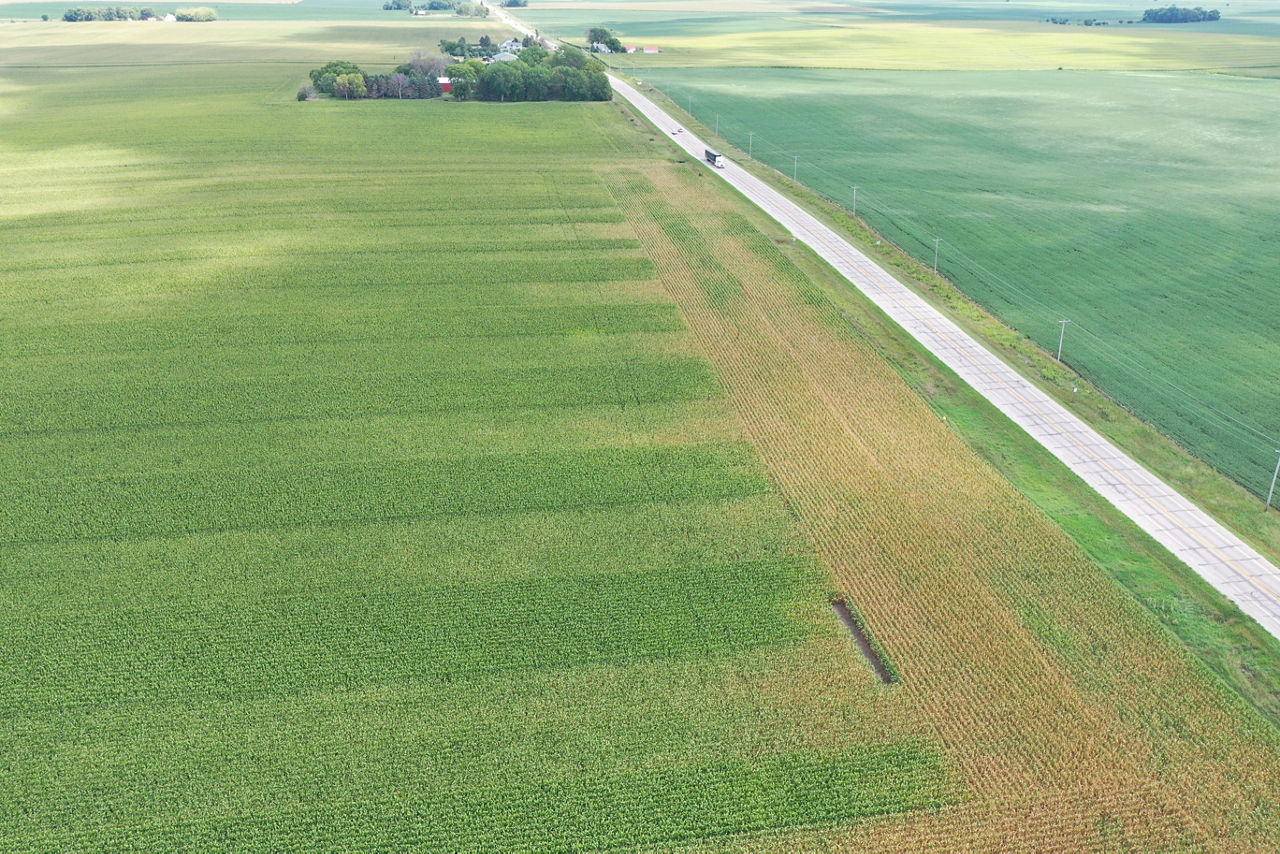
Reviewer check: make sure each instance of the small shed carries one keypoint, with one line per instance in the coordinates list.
(652, 50)
(445, 85)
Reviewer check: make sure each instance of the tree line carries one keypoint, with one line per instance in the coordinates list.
(483, 49)
(133, 13)
(1179, 15)
(465, 8)
(416, 79)
(535, 75)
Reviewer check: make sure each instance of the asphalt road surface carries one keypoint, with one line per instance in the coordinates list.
(1219, 556)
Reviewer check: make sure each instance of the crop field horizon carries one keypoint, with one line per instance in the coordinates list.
(473, 476)
(916, 36)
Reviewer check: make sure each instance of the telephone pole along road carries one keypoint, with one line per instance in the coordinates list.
(1219, 556)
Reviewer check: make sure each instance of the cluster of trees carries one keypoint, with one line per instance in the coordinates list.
(108, 13)
(482, 49)
(1178, 15)
(537, 75)
(131, 13)
(418, 78)
(599, 35)
(466, 8)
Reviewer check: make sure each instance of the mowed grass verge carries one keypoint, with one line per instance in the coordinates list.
(364, 487)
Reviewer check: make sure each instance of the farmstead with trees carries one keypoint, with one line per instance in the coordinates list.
(534, 75)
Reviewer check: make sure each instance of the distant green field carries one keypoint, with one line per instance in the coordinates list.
(237, 10)
(269, 60)
(908, 35)
(362, 489)
(1140, 207)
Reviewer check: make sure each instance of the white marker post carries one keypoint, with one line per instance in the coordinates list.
(1272, 491)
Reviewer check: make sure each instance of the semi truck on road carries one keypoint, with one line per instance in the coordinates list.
(716, 160)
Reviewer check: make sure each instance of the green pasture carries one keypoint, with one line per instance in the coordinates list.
(363, 489)
(1138, 206)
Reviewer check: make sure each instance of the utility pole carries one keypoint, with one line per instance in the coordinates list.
(855, 199)
(795, 167)
(1273, 485)
(751, 139)
(1061, 335)
(936, 241)
(717, 124)
(691, 105)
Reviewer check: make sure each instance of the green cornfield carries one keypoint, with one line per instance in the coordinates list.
(443, 476)
(363, 488)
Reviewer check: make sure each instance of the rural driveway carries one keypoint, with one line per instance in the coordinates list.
(1220, 557)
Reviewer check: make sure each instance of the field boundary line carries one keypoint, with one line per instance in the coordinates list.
(1220, 557)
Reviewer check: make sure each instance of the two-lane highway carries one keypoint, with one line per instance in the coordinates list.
(1220, 557)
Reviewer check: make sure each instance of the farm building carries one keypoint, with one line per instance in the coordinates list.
(652, 50)
(505, 57)
(445, 85)
(511, 46)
